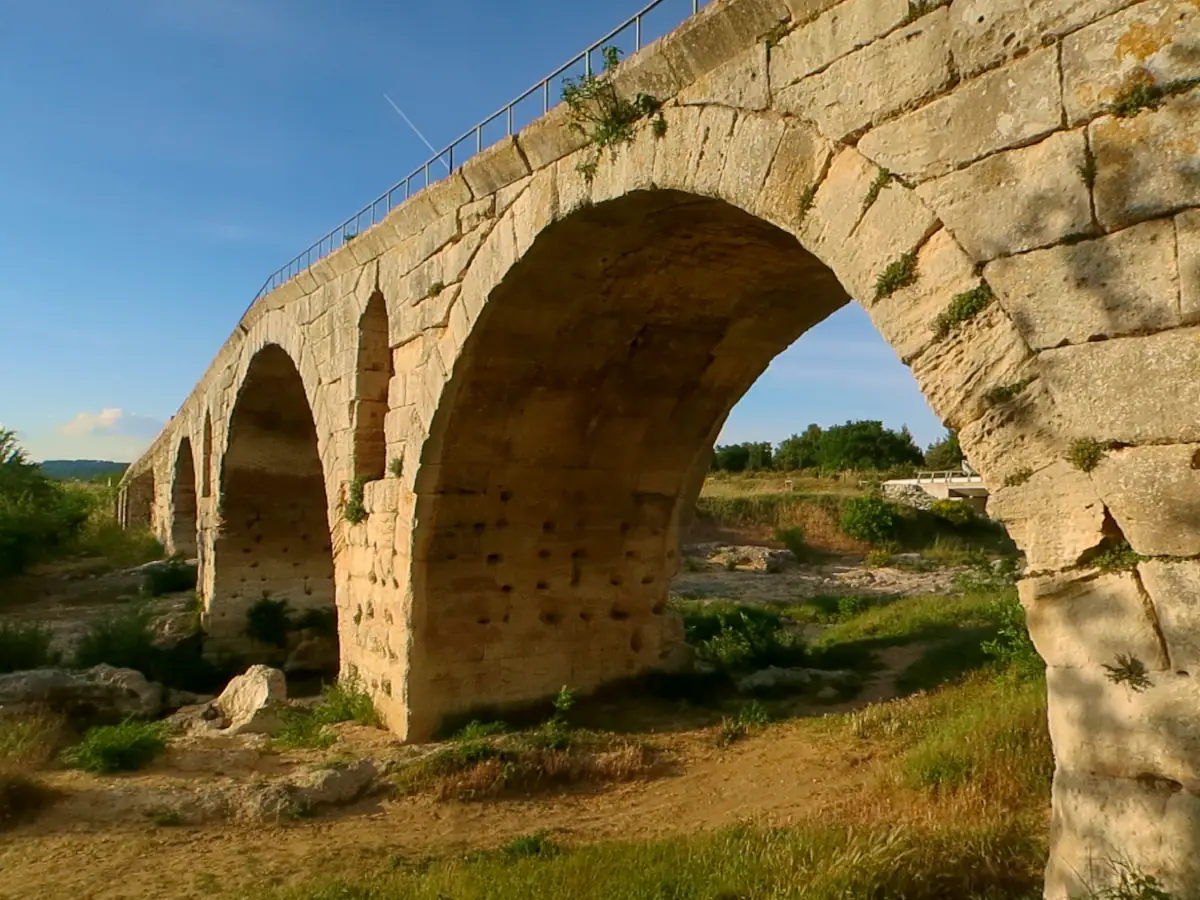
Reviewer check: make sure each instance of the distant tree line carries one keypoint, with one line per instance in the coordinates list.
(854, 446)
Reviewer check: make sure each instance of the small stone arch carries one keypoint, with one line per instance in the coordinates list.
(374, 372)
(137, 505)
(206, 457)
(182, 534)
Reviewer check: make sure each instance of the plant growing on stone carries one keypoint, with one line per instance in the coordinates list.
(605, 118)
(883, 178)
(347, 701)
(435, 289)
(1004, 393)
(963, 307)
(1131, 885)
(396, 467)
(1142, 92)
(355, 510)
(1130, 671)
(118, 748)
(919, 8)
(1019, 477)
(900, 273)
(805, 204)
(1087, 169)
(1120, 558)
(1087, 453)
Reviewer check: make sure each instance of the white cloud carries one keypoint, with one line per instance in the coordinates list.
(112, 421)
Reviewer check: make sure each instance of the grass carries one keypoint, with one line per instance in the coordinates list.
(355, 510)
(125, 747)
(302, 729)
(815, 862)
(25, 646)
(1086, 453)
(900, 273)
(963, 307)
(347, 701)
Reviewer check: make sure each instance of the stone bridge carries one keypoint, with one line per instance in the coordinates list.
(476, 428)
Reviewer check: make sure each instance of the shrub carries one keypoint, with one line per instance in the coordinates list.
(739, 638)
(750, 716)
(793, 539)
(1085, 454)
(963, 307)
(956, 512)
(898, 274)
(171, 577)
(118, 748)
(529, 845)
(347, 701)
(1012, 647)
(1121, 558)
(124, 640)
(25, 646)
(870, 519)
(877, 558)
(269, 621)
(356, 510)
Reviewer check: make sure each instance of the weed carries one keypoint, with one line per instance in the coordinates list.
(900, 273)
(1120, 558)
(1087, 169)
(588, 169)
(1018, 477)
(171, 577)
(883, 178)
(870, 519)
(956, 512)
(752, 715)
(1012, 647)
(805, 204)
(1131, 885)
(164, 817)
(477, 731)
(355, 510)
(659, 128)
(396, 467)
(878, 558)
(1086, 453)
(985, 577)
(1129, 670)
(1003, 394)
(528, 846)
(606, 119)
(793, 539)
(555, 733)
(25, 646)
(1143, 93)
(302, 729)
(347, 701)
(778, 32)
(435, 289)
(963, 307)
(269, 621)
(735, 638)
(920, 8)
(125, 747)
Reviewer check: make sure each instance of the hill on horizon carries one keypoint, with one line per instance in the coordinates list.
(82, 469)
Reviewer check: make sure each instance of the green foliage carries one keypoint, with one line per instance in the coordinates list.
(1131, 884)
(735, 638)
(118, 748)
(877, 558)
(805, 204)
(956, 512)
(900, 273)
(94, 470)
(793, 539)
(25, 645)
(1120, 558)
(172, 577)
(302, 729)
(800, 451)
(866, 444)
(1145, 94)
(1012, 648)
(984, 577)
(396, 467)
(752, 715)
(435, 289)
(870, 519)
(882, 179)
(748, 457)
(529, 846)
(356, 511)
(945, 454)
(1018, 477)
(268, 622)
(477, 731)
(1085, 454)
(347, 701)
(1129, 670)
(1087, 170)
(605, 118)
(38, 516)
(963, 307)
(124, 640)
(1004, 393)
(919, 8)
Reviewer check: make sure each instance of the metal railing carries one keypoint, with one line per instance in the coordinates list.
(947, 477)
(453, 156)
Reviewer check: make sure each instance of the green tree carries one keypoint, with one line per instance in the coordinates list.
(745, 457)
(800, 451)
(945, 454)
(36, 514)
(867, 444)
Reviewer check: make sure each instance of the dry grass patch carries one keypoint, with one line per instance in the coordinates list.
(28, 744)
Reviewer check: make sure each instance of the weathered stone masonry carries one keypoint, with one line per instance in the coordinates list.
(533, 368)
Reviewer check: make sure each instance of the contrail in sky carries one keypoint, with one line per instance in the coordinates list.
(416, 130)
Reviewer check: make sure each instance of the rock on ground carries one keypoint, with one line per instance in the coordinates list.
(908, 495)
(102, 694)
(251, 702)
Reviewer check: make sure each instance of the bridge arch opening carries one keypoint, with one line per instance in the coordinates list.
(273, 543)
(184, 525)
(206, 458)
(138, 504)
(374, 373)
(575, 434)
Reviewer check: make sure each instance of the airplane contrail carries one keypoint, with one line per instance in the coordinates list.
(416, 130)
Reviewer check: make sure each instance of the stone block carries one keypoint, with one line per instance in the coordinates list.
(740, 83)
(799, 163)
(1154, 495)
(1158, 39)
(1055, 516)
(717, 34)
(631, 168)
(496, 167)
(894, 224)
(693, 158)
(1127, 389)
(1147, 165)
(888, 76)
(1005, 108)
(1019, 435)
(549, 138)
(837, 205)
(1034, 196)
(954, 374)
(987, 32)
(1087, 621)
(477, 213)
(507, 196)
(752, 149)
(1174, 587)
(906, 317)
(804, 11)
(838, 31)
(1120, 284)
(1150, 825)
(1187, 234)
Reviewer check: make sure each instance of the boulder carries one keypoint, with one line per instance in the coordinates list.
(99, 695)
(339, 784)
(774, 677)
(908, 495)
(314, 653)
(251, 703)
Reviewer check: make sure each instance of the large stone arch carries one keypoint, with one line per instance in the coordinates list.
(273, 537)
(183, 521)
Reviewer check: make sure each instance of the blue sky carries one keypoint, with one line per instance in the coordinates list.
(159, 158)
